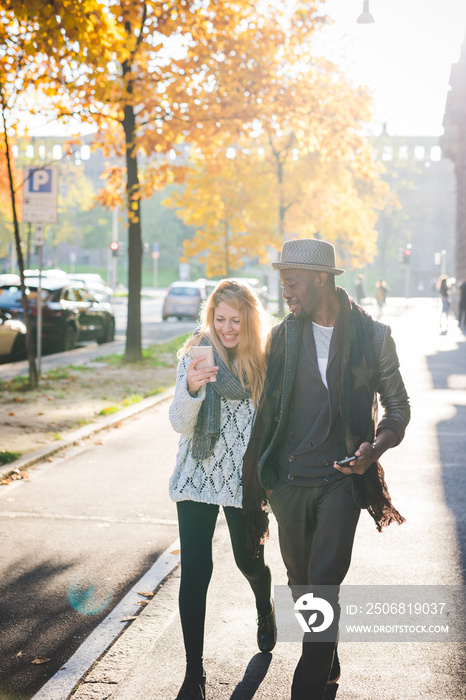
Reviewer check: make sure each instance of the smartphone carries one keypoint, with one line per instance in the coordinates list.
(345, 462)
(208, 351)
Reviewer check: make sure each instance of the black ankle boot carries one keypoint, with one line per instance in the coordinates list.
(193, 687)
(267, 631)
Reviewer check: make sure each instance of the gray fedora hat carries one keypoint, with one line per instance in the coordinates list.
(308, 254)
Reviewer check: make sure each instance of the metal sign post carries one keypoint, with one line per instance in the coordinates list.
(39, 241)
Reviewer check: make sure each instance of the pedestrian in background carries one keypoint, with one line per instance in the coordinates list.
(359, 288)
(462, 307)
(381, 291)
(213, 409)
(328, 362)
(444, 290)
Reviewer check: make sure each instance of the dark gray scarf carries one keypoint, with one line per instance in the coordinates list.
(207, 430)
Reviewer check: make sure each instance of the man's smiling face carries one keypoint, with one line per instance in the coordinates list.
(301, 291)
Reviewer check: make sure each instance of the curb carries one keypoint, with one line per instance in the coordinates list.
(84, 433)
(66, 680)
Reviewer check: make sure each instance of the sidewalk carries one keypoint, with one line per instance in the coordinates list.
(427, 482)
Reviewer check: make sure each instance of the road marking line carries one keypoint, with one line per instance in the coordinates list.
(63, 682)
(96, 518)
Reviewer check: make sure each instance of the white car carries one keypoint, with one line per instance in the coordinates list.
(95, 284)
(12, 338)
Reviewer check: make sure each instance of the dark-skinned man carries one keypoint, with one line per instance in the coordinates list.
(328, 362)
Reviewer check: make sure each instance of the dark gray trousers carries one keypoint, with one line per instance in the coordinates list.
(316, 528)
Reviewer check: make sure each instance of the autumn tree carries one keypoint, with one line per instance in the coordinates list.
(308, 170)
(38, 41)
(226, 202)
(182, 72)
(154, 75)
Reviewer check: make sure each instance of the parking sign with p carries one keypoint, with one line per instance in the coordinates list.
(40, 194)
(40, 180)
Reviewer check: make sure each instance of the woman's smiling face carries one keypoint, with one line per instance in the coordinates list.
(227, 324)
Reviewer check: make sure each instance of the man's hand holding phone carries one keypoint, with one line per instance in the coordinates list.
(367, 453)
(201, 369)
(359, 462)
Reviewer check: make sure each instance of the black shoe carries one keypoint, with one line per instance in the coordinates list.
(267, 631)
(335, 671)
(193, 687)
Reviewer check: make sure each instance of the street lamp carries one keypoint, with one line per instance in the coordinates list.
(365, 17)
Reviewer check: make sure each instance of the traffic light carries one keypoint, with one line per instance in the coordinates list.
(407, 254)
(115, 248)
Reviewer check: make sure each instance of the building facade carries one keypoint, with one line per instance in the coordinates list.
(454, 147)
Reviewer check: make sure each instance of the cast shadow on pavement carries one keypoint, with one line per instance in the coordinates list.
(452, 447)
(255, 673)
(447, 369)
(46, 615)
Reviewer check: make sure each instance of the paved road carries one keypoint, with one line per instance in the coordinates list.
(101, 515)
(154, 330)
(97, 516)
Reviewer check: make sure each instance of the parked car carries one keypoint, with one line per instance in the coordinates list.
(260, 289)
(184, 299)
(9, 278)
(12, 338)
(48, 272)
(95, 283)
(70, 313)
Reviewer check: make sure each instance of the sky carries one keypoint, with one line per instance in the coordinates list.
(404, 57)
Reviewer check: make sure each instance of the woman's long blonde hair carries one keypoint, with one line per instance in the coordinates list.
(248, 362)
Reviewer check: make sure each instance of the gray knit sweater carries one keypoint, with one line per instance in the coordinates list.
(216, 479)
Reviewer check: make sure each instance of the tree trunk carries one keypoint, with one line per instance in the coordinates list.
(33, 378)
(133, 350)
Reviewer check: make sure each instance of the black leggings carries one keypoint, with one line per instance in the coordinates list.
(197, 525)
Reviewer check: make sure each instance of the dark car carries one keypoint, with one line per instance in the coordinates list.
(70, 313)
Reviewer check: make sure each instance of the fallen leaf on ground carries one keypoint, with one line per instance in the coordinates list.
(49, 459)
(141, 602)
(146, 594)
(98, 442)
(117, 425)
(175, 551)
(49, 398)
(12, 413)
(130, 617)
(40, 660)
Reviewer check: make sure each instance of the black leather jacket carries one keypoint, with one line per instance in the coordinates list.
(389, 387)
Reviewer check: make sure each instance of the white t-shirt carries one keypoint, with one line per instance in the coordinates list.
(322, 338)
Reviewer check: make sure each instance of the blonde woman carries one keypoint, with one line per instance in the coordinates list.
(213, 409)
